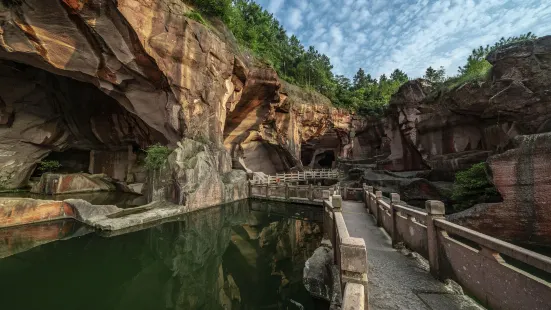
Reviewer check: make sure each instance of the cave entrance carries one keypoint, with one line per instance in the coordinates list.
(306, 155)
(325, 160)
(50, 117)
(71, 161)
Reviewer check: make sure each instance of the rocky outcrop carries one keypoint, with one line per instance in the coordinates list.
(112, 76)
(105, 75)
(321, 276)
(290, 129)
(414, 188)
(21, 211)
(52, 184)
(504, 119)
(521, 175)
(449, 131)
(198, 175)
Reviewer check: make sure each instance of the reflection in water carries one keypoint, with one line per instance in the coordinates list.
(229, 257)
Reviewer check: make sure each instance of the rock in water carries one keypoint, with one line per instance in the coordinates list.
(321, 276)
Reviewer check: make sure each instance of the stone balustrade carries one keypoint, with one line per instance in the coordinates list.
(297, 176)
(350, 255)
(305, 194)
(498, 274)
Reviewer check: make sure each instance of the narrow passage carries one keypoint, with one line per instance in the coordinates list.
(397, 281)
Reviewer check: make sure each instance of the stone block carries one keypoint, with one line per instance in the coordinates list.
(354, 297)
(435, 207)
(337, 202)
(353, 255)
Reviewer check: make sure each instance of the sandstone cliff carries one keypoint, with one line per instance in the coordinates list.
(450, 130)
(505, 120)
(105, 79)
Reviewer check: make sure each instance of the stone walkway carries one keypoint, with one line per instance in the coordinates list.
(396, 280)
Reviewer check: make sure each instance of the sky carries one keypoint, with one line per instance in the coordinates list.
(382, 35)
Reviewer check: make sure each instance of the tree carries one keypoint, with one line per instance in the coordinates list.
(399, 76)
(435, 76)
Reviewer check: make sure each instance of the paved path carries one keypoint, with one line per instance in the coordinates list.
(396, 280)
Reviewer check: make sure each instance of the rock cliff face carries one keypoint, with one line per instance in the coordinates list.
(521, 175)
(451, 130)
(111, 77)
(505, 120)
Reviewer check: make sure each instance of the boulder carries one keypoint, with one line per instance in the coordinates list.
(521, 175)
(321, 276)
(54, 183)
(197, 175)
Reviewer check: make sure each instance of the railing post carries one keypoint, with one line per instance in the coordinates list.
(369, 202)
(394, 200)
(311, 192)
(250, 188)
(325, 195)
(286, 191)
(345, 194)
(267, 190)
(337, 203)
(378, 195)
(435, 210)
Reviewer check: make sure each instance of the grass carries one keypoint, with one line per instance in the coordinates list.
(479, 73)
(196, 16)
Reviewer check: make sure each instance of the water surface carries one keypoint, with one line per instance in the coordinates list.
(230, 257)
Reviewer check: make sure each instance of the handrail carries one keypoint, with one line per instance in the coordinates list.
(464, 255)
(526, 256)
(410, 211)
(261, 178)
(383, 203)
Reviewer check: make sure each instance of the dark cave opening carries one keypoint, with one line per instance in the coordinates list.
(50, 117)
(325, 159)
(71, 161)
(306, 155)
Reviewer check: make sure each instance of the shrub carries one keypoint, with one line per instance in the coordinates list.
(478, 71)
(472, 186)
(49, 165)
(196, 16)
(156, 156)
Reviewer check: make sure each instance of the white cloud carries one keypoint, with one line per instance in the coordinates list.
(275, 6)
(382, 35)
(295, 18)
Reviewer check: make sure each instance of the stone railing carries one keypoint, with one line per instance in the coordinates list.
(498, 274)
(350, 254)
(291, 177)
(311, 194)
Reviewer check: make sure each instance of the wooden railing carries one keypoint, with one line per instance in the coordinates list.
(291, 177)
(350, 254)
(498, 274)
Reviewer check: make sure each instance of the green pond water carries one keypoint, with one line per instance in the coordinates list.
(246, 255)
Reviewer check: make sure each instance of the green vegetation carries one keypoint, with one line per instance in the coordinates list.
(477, 68)
(472, 186)
(156, 156)
(49, 165)
(196, 16)
(435, 76)
(258, 31)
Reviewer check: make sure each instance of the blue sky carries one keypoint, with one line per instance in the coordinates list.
(381, 35)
